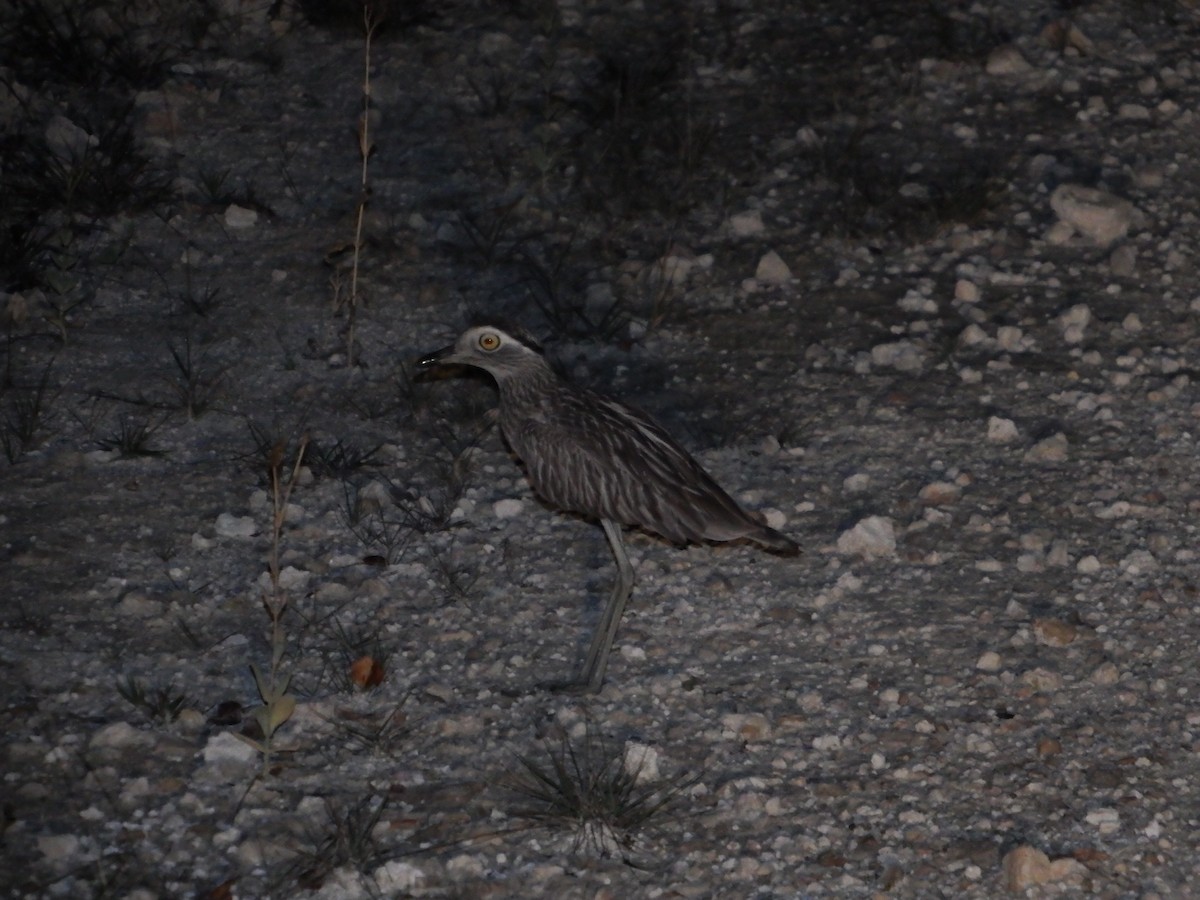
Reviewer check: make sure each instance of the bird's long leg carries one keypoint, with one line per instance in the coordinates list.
(596, 663)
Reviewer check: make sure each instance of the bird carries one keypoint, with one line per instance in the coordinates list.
(589, 454)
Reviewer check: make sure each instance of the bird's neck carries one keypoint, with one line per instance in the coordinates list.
(528, 386)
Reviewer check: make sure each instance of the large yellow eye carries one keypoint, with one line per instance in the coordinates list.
(489, 341)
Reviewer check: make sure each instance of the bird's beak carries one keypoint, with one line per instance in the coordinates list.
(433, 359)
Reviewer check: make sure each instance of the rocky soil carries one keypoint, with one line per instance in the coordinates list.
(917, 281)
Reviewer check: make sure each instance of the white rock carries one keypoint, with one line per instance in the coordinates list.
(229, 525)
(1106, 819)
(464, 867)
(508, 508)
(139, 606)
(989, 661)
(1051, 449)
(1007, 60)
(903, 356)
(119, 736)
(772, 269)
(1001, 430)
(1088, 565)
(397, 876)
(856, 483)
(1010, 338)
(59, 850)
(227, 758)
(747, 224)
(1123, 261)
(874, 536)
(966, 291)
(1026, 867)
(1097, 214)
(973, 336)
(916, 302)
(67, 141)
(240, 217)
(775, 518)
(640, 762)
(1133, 112)
(290, 579)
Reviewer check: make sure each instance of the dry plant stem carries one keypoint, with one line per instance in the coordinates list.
(278, 704)
(365, 149)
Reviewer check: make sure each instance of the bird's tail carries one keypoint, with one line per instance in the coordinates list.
(775, 541)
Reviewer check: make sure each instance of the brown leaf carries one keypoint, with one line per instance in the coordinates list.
(366, 672)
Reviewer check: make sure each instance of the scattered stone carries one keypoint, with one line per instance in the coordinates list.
(1106, 820)
(973, 336)
(966, 291)
(1001, 430)
(856, 483)
(1100, 216)
(1105, 675)
(939, 493)
(750, 727)
(1042, 681)
(1088, 565)
(1054, 632)
(227, 759)
(508, 508)
(229, 525)
(1048, 450)
(240, 217)
(60, 851)
(772, 270)
(1123, 261)
(903, 356)
(1133, 112)
(138, 605)
(67, 141)
(1007, 60)
(747, 224)
(1026, 867)
(989, 661)
(120, 736)
(640, 762)
(396, 877)
(873, 537)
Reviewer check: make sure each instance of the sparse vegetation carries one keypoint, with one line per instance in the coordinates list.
(131, 437)
(594, 791)
(161, 704)
(348, 839)
(25, 413)
(274, 682)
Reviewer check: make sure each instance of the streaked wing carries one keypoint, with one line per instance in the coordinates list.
(594, 455)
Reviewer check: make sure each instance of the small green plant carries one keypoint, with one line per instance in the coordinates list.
(162, 705)
(595, 791)
(277, 703)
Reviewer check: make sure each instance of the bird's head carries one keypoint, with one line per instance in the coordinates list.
(502, 351)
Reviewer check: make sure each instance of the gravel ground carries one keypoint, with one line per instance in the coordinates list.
(916, 281)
